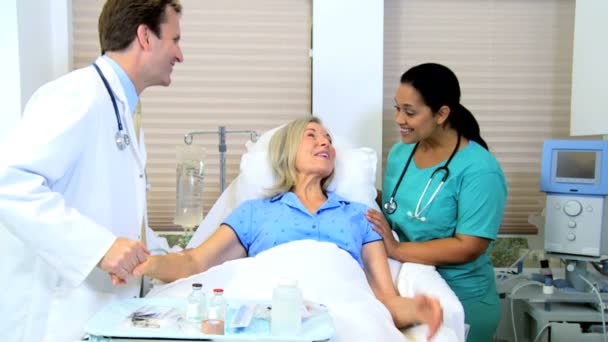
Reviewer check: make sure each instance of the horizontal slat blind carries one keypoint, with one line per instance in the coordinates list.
(247, 66)
(513, 59)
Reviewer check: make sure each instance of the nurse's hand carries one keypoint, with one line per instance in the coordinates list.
(122, 257)
(381, 226)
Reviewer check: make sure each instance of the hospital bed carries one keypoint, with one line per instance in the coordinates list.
(354, 309)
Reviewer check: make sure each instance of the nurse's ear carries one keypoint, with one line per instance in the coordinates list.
(442, 115)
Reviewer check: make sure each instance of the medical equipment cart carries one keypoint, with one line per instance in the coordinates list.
(112, 323)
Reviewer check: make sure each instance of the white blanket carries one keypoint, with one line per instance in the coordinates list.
(325, 273)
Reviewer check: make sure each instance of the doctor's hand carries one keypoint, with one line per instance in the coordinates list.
(122, 257)
(381, 226)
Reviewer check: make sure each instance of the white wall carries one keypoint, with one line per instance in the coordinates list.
(35, 49)
(43, 43)
(347, 70)
(589, 114)
(10, 87)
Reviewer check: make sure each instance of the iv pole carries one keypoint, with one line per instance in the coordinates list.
(221, 132)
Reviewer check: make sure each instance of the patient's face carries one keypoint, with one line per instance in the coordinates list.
(316, 153)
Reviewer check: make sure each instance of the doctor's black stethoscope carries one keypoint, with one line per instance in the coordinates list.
(122, 138)
(391, 206)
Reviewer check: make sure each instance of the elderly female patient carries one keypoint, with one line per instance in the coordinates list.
(302, 157)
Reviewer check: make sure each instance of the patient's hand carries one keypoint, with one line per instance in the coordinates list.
(428, 311)
(407, 311)
(148, 268)
(167, 268)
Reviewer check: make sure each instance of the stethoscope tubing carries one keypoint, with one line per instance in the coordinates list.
(391, 206)
(111, 93)
(121, 138)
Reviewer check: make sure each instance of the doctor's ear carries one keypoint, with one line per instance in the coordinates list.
(143, 36)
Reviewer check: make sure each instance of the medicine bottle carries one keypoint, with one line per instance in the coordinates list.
(286, 314)
(214, 324)
(197, 304)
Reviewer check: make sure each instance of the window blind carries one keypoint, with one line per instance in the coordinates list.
(246, 66)
(514, 62)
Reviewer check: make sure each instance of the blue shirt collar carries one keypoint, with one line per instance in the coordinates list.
(126, 83)
(290, 199)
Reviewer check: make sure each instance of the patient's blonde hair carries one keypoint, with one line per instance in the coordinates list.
(283, 149)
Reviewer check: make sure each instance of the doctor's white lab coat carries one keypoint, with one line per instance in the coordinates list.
(66, 193)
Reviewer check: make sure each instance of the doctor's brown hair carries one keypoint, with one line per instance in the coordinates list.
(119, 20)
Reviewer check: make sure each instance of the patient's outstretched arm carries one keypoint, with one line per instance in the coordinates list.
(223, 245)
(405, 311)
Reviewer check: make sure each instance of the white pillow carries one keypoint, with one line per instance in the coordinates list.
(354, 174)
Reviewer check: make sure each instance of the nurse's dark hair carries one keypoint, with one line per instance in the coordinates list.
(438, 86)
(119, 20)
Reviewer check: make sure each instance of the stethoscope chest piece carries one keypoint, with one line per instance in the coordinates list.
(122, 140)
(390, 206)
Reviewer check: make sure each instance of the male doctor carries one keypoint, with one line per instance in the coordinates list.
(72, 180)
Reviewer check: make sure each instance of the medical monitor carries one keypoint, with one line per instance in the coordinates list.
(575, 167)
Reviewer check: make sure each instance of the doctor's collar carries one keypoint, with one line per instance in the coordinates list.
(126, 83)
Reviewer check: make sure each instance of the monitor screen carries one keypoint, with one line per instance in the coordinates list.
(575, 166)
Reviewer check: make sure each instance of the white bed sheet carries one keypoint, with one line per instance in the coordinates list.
(410, 279)
(325, 273)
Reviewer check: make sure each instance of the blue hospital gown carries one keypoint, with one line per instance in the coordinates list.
(261, 224)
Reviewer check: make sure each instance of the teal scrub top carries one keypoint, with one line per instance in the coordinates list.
(471, 202)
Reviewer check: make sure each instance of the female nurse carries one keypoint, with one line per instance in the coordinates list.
(444, 193)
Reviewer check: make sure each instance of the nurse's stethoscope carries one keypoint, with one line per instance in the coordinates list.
(391, 206)
(122, 138)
